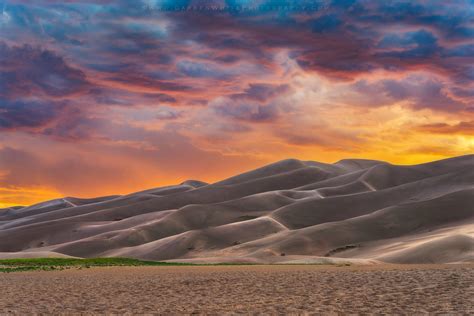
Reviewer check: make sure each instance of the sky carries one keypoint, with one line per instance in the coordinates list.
(110, 97)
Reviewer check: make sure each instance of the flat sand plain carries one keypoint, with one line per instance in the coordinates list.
(279, 289)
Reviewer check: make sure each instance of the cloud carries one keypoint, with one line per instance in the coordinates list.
(247, 111)
(142, 83)
(168, 114)
(434, 150)
(127, 83)
(342, 38)
(76, 126)
(418, 91)
(31, 71)
(418, 44)
(326, 23)
(114, 96)
(463, 92)
(463, 128)
(424, 94)
(262, 92)
(202, 70)
(258, 103)
(227, 59)
(329, 140)
(136, 157)
(28, 114)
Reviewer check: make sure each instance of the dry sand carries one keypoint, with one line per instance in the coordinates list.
(380, 289)
(353, 209)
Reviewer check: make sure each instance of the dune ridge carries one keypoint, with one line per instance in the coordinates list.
(355, 210)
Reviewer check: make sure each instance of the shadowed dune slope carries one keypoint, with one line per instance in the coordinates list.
(356, 210)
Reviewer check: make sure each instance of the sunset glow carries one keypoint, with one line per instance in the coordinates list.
(110, 97)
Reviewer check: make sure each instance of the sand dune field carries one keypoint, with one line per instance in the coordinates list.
(359, 211)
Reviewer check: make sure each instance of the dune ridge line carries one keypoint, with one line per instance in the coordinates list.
(355, 211)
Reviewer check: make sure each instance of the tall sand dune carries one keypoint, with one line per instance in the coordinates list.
(355, 210)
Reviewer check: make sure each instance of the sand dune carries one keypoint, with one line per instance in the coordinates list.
(292, 211)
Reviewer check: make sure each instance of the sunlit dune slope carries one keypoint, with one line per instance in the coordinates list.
(361, 211)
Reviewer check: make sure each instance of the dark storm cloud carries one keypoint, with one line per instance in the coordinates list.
(340, 38)
(347, 38)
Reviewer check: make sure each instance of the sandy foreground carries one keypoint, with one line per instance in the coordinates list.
(243, 289)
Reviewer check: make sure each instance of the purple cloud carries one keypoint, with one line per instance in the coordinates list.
(28, 114)
(32, 71)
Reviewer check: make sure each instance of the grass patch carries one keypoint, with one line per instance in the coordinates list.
(340, 249)
(55, 264)
(48, 264)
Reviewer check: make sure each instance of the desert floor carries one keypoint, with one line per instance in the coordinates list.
(396, 289)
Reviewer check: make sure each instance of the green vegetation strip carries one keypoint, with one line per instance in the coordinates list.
(49, 264)
(53, 264)
(15, 265)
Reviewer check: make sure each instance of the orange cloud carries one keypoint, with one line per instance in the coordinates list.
(463, 128)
